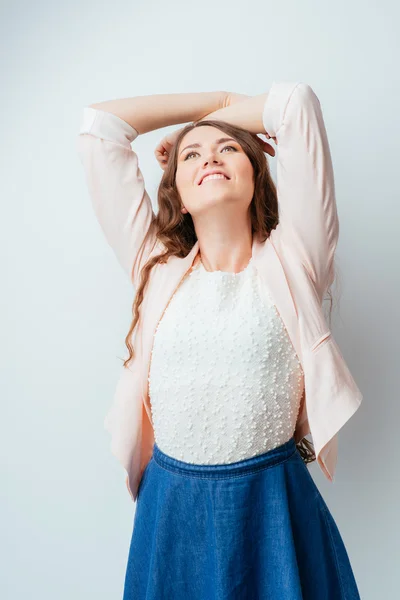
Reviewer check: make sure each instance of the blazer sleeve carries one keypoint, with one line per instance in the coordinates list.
(116, 187)
(308, 219)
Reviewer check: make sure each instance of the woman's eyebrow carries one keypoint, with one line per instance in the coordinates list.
(219, 141)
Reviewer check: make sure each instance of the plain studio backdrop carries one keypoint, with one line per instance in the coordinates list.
(66, 515)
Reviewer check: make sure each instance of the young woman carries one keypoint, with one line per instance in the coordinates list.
(230, 360)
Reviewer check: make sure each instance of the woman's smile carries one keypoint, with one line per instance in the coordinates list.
(214, 178)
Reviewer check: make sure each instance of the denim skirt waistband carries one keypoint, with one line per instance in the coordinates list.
(221, 471)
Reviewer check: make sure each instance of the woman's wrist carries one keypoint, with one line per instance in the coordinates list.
(206, 103)
(227, 99)
(242, 111)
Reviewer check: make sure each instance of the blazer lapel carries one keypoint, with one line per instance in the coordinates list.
(273, 277)
(169, 277)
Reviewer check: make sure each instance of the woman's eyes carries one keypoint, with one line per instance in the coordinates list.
(193, 152)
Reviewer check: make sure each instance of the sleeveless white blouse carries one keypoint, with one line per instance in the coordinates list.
(225, 382)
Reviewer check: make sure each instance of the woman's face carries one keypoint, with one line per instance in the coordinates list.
(211, 153)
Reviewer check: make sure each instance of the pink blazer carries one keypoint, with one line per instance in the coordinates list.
(295, 265)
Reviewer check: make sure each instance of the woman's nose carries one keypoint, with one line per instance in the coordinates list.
(211, 159)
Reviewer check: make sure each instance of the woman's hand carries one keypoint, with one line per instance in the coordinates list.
(265, 147)
(163, 149)
(269, 137)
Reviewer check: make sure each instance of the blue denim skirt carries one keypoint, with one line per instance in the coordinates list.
(255, 529)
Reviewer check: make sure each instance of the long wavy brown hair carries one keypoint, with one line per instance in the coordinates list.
(177, 233)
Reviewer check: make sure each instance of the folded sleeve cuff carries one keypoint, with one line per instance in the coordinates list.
(275, 105)
(107, 126)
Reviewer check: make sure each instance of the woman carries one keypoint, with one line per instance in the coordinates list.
(230, 361)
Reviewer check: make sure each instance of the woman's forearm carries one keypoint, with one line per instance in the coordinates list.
(246, 114)
(146, 113)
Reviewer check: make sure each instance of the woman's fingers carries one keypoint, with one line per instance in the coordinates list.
(163, 149)
(266, 147)
(162, 153)
(269, 137)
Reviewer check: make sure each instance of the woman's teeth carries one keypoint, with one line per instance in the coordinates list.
(216, 176)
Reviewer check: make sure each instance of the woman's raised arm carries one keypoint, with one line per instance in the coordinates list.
(146, 113)
(308, 221)
(114, 179)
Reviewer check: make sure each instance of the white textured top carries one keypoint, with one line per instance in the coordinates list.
(225, 382)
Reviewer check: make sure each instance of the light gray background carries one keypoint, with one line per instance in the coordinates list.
(66, 516)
